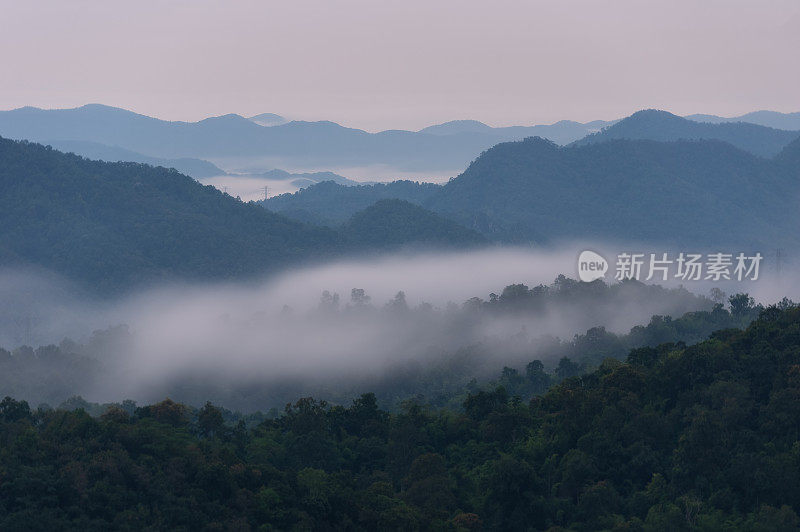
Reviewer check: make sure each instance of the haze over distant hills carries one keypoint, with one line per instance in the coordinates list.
(789, 121)
(268, 119)
(196, 168)
(110, 226)
(663, 126)
(296, 146)
(291, 145)
(562, 132)
(678, 193)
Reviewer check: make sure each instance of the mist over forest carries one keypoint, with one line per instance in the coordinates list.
(216, 317)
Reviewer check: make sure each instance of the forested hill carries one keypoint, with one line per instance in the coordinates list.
(652, 124)
(110, 225)
(789, 157)
(675, 438)
(393, 223)
(687, 193)
(329, 203)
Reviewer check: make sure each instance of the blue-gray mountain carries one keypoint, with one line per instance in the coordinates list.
(196, 168)
(663, 126)
(790, 121)
(445, 147)
(110, 226)
(681, 193)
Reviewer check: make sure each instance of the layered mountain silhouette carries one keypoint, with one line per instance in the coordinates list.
(663, 126)
(789, 121)
(447, 147)
(111, 226)
(441, 148)
(196, 168)
(562, 132)
(679, 193)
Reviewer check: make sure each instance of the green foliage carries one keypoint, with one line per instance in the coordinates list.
(113, 225)
(617, 190)
(704, 437)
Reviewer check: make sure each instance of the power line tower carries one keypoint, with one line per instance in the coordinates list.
(266, 193)
(778, 262)
(224, 190)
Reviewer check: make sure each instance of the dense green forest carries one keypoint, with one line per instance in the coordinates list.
(634, 190)
(704, 437)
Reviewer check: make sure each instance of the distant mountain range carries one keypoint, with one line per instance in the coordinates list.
(652, 177)
(196, 168)
(678, 193)
(305, 179)
(663, 126)
(562, 132)
(268, 119)
(111, 226)
(447, 147)
(789, 121)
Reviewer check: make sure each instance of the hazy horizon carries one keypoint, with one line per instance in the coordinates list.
(378, 67)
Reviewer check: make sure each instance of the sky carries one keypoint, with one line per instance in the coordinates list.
(403, 65)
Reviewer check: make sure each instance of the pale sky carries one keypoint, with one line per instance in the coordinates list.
(404, 64)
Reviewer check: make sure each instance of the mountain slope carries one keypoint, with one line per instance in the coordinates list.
(789, 157)
(295, 144)
(682, 193)
(283, 145)
(196, 168)
(663, 126)
(328, 203)
(393, 223)
(788, 121)
(112, 225)
(677, 193)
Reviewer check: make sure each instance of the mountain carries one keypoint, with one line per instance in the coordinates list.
(647, 191)
(307, 178)
(457, 126)
(789, 157)
(113, 225)
(562, 132)
(391, 223)
(196, 168)
(652, 124)
(788, 121)
(328, 203)
(442, 148)
(285, 145)
(681, 193)
(268, 119)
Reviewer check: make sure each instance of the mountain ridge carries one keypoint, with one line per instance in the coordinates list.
(654, 124)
